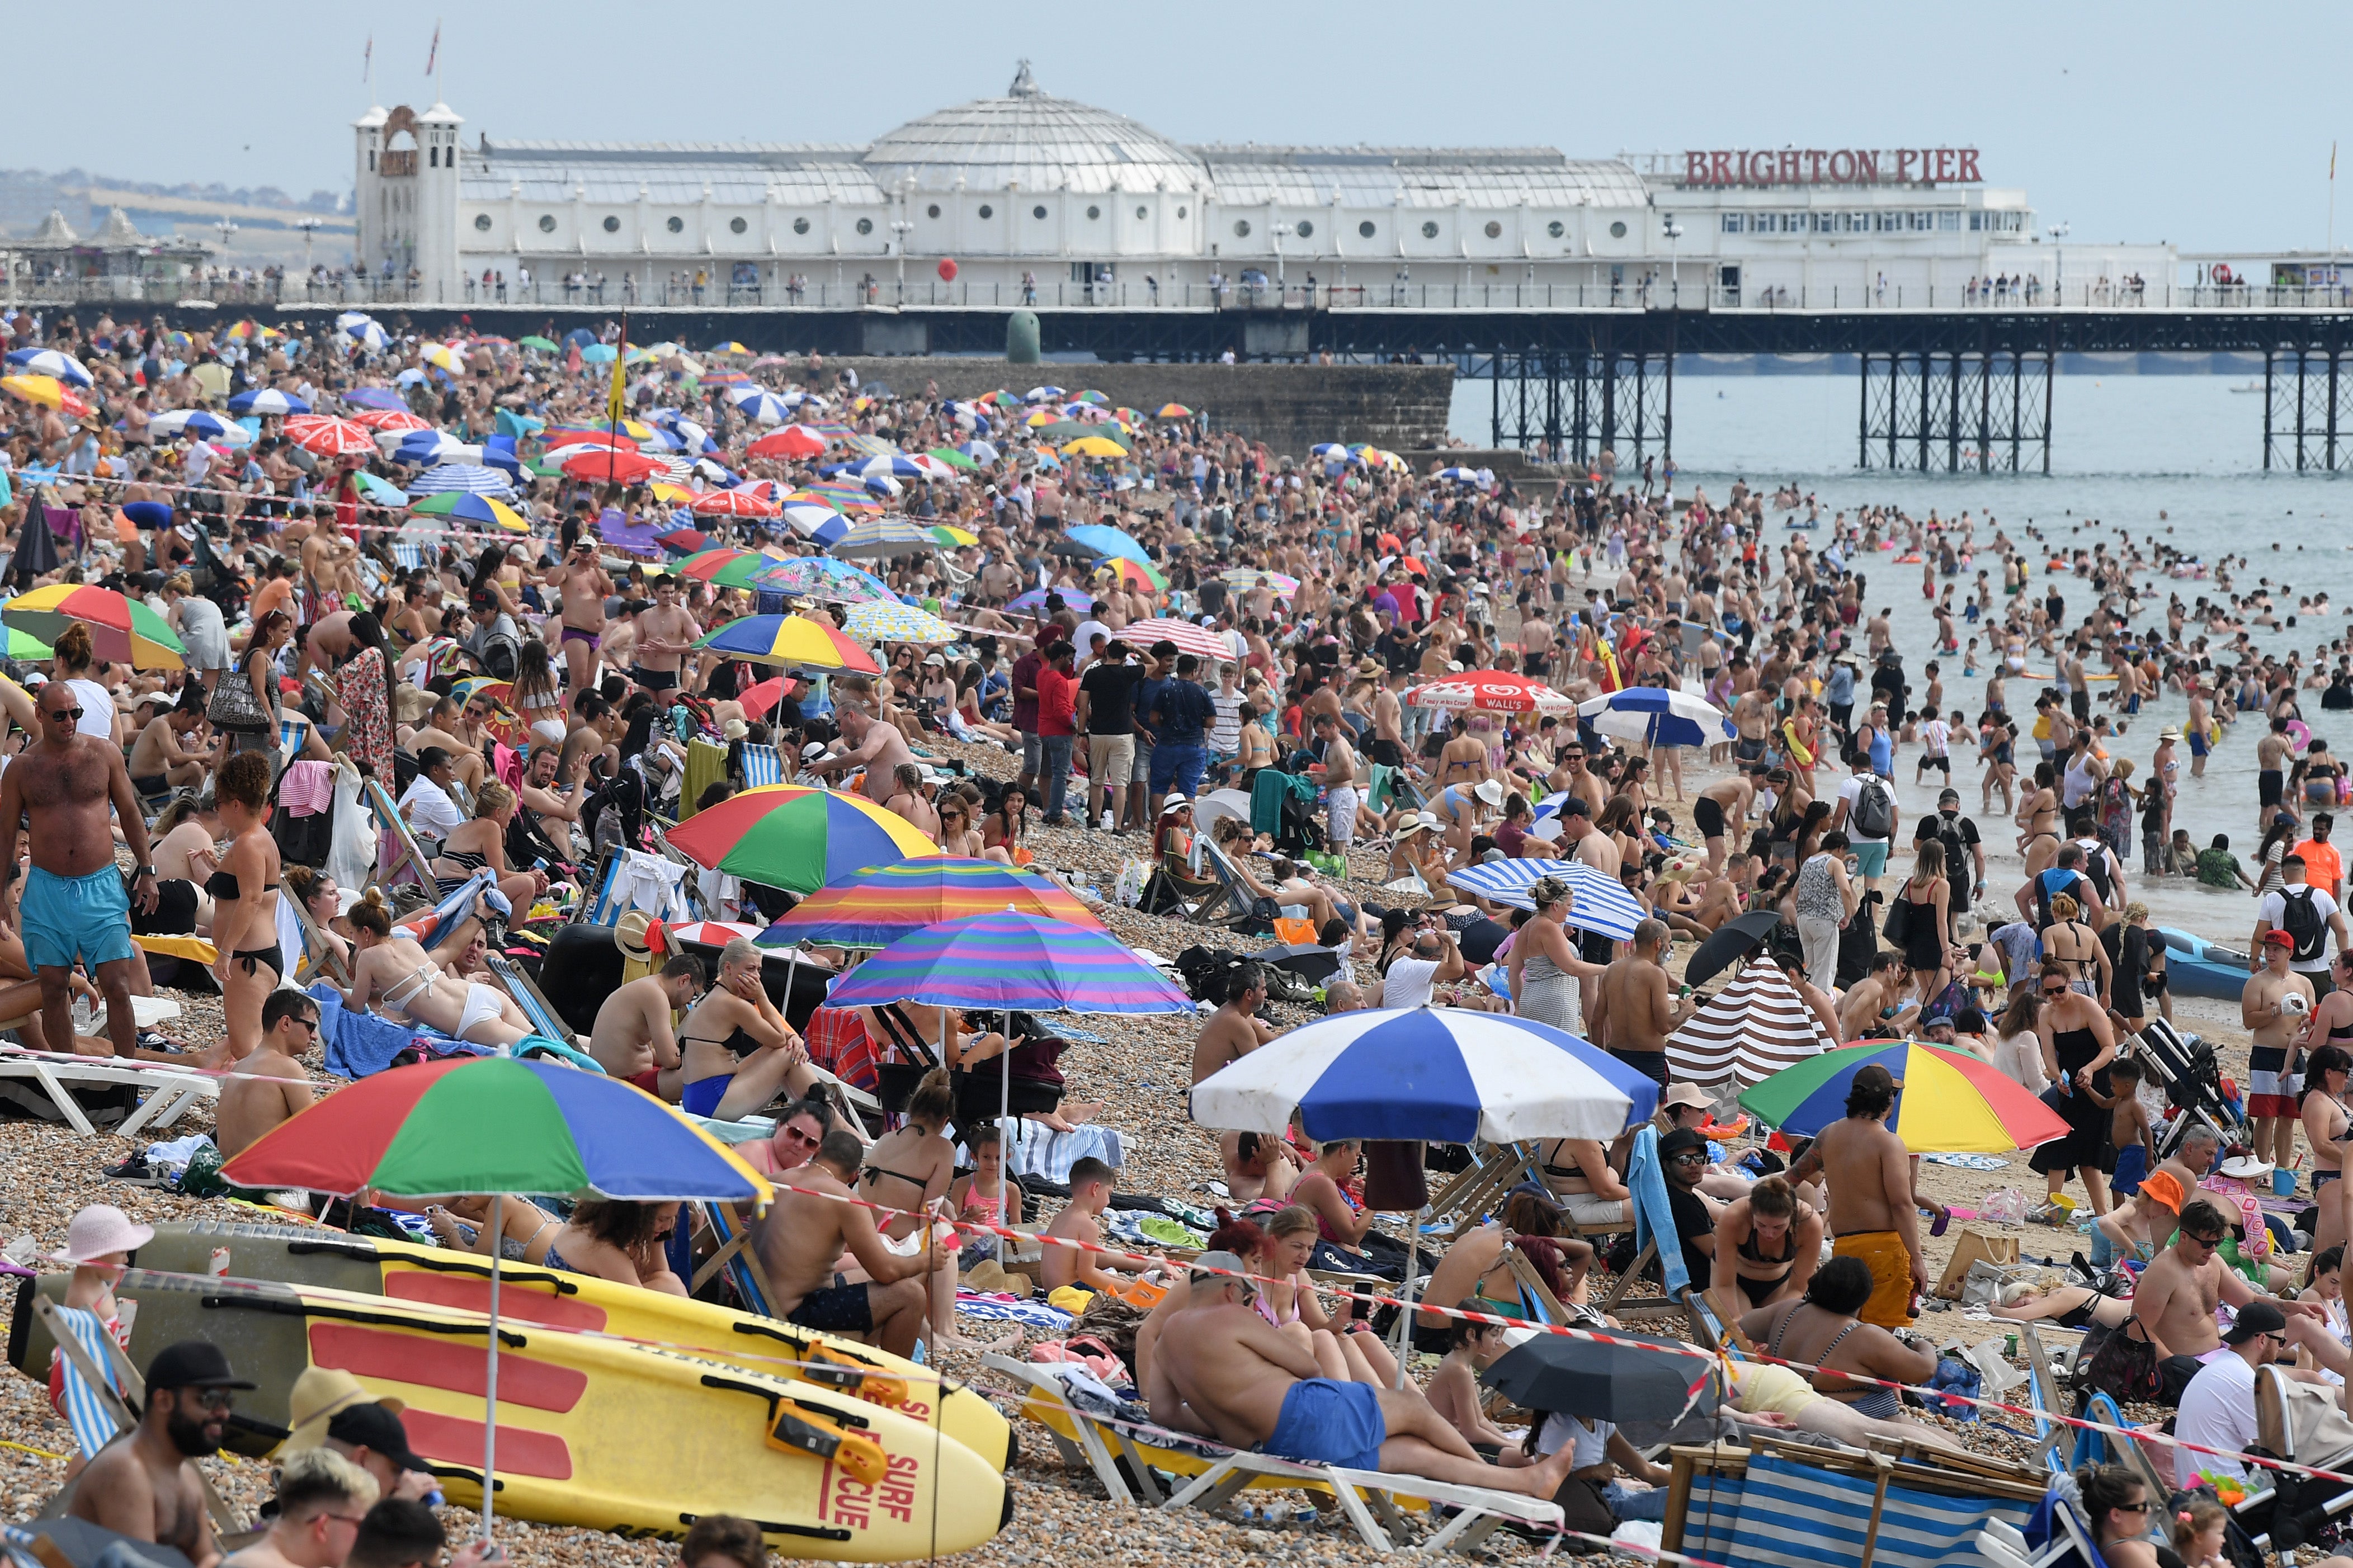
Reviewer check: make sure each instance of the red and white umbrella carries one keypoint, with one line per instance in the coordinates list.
(1197, 640)
(329, 437)
(709, 933)
(730, 504)
(791, 441)
(388, 419)
(1491, 692)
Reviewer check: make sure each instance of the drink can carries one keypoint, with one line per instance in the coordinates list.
(2010, 1347)
(218, 1266)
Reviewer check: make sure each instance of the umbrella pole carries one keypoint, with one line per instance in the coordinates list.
(1405, 1322)
(1004, 1137)
(791, 966)
(490, 1377)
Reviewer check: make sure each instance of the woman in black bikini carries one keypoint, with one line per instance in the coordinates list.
(907, 1172)
(736, 1052)
(1768, 1245)
(482, 845)
(2077, 1044)
(245, 901)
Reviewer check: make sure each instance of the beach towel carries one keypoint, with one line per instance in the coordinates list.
(1040, 1150)
(1653, 1217)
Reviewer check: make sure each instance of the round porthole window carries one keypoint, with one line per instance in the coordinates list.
(736, 226)
(1305, 228)
(1430, 230)
(547, 223)
(1556, 228)
(1365, 228)
(1241, 229)
(481, 220)
(1094, 212)
(1141, 213)
(800, 225)
(1494, 229)
(866, 225)
(1037, 212)
(677, 225)
(612, 224)
(988, 211)
(931, 211)
(1616, 231)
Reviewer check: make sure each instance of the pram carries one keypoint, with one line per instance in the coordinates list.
(2193, 1086)
(2299, 1422)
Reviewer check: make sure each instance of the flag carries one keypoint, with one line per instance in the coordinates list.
(615, 404)
(367, 58)
(433, 54)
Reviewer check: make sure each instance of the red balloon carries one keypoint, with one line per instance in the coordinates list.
(947, 269)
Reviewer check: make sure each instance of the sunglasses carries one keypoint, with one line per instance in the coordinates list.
(1689, 1157)
(211, 1398)
(2208, 1242)
(61, 714)
(794, 1135)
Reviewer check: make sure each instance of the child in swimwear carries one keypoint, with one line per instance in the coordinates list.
(1453, 1390)
(2132, 1144)
(99, 1241)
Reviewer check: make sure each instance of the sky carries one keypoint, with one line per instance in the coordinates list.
(2154, 122)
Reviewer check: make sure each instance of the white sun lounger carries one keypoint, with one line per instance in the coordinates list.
(1115, 1452)
(170, 1092)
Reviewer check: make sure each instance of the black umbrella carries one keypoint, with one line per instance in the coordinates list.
(1736, 940)
(1618, 1383)
(1072, 548)
(36, 547)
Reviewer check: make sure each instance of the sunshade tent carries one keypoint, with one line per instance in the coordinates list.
(787, 836)
(498, 1125)
(1950, 1102)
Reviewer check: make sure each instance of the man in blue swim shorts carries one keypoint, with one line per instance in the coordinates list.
(1222, 1370)
(61, 788)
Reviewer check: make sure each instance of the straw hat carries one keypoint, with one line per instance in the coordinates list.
(319, 1393)
(634, 934)
(412, 703)
(101, 1229)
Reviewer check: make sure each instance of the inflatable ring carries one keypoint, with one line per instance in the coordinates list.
(2299, 734)
(1798, 752)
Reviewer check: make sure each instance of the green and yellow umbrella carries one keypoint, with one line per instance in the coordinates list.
(795, 642)
(784, 836)
(121, 630)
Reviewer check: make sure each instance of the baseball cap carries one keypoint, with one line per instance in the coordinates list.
(194, 1363)
(1951, 795)
(1212, 1267)
(2276, 937)
(371, 1426)
(2255, 1317)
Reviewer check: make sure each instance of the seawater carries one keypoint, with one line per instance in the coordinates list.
(2177, 457)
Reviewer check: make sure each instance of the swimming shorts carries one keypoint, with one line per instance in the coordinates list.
(1327, 1422)
(2197, 743)
(2270, 1092)
(580, 634)
(837, 1310)
(1652, 1065)
(2131, 1165)
(2267, 786)
(1870, 857)
(1890, 1262)
(1707, 815)
(66, 917)
(654, 679)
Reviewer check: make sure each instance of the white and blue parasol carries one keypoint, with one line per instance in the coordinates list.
(268, 400)
(425, 448)
(760, 405)
(49, 361)
(1656, 716)
(197, 423)
(471, 478)
(1444, 1074)
(1597, 902)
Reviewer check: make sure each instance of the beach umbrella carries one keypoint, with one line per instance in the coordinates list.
(1753, 1028)
(1013, 962)
(815, 520)
(1330, 452)
(1443, 1074)
(1733, 941)
(329, 437)
(823, 577)
(881, 537)
(709, 933)
(982, 453)
(759, 405)
(843, 498)
(382, 491)
(1619, 1380)
(878, 622)
(953, 457)
(1950, 1102)
(399, 419)
(933, 468)
(1197, 640)
(795, 642)
(426, 447)
(784, 836)
(1106, 541)
(442, 357)
(952, 536)
(1597, 902)
(874, 906)
(368, 334)
(791, 441)
(194, 423)
(497, 1125)
(121, 630)
(537, 342)
(1173, 411)
(1462, 476)
(730, 504)
(614, 465)
(464, 506)
(1120, 569)
(1042, 394)
(1093, 446)
(24, 646)
(1249, 577)
(626, 433)
(1657, 716)
(267, 401)
(54, 364)
(1491, 692)
(705, 565)
(1033, 603)
(472, 477)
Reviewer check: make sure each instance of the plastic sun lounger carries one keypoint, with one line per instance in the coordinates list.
(171, 1093)
(1123, 1456)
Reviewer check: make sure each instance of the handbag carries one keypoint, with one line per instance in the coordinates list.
(234, 706)
(2124, 1366)
(1898, 925)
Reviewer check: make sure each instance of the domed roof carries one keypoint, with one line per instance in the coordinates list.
(1032, 142)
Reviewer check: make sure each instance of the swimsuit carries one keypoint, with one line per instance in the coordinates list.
(580, 634)
(222, 885)
(1324, 1421)
(701, 1096)
(64, 917)
(483, 1003)
(471, 862)
(1880, 1404)
(839, 1307)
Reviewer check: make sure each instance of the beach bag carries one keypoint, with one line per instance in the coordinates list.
(2124, 1367)
(1128, 888)
(233, 706)
(1898, 925)
(1973, 1247)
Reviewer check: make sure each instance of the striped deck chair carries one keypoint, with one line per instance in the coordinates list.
(762, 765)
(407, 857)
(545, 1022)
(737, 1257)
(1654, 1234)
(1798, 1515)
(293, 734)
(94, 1414)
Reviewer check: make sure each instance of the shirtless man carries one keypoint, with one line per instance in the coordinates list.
(1223, 1371)
(1337, 774)
(268, 1085)
(584, 587)
(2176, 1299)
(159, 763)
(2273, 1051)
(329, 640)
(330, 569)
(149, 1489)
(60, 788)
(632, 1037)
(1389, 747)
(1721, 811)
(800, 1243)
(1634, 1005)
(665, 636)
(877, 747)
(1752, 722)
(1233, 1032)
(2271, 761)
(1867, 1180)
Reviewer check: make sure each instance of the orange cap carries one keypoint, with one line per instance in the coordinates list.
(2164, 1187)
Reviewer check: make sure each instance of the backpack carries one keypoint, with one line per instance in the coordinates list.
(1872, 815)
(2300, 918)
(2095, 867)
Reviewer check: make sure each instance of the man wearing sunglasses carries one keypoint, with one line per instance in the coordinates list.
(74, 905)
(2175, 1302)
(149, 1489)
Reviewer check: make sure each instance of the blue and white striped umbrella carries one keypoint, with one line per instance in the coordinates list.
(471, 478)
(425, 448)
(760, 405)
(367, 333)
(49, 361)
(1042, 394)
(1657, 716)
(1463, 476)
(980, 452)
(822, 523)
(1597, 902)
(1444, 1074)
(897, 466)
(268, 400)
(196, 421)
(1330, 451)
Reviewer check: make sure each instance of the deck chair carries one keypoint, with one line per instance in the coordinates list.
(1174, 890)
(1123, 1455)
(406, 854)
(1240, 903)
(98, 1383)
(545, 1019)
(761, 765)
(737, 1257)
(317, 955)
(2042, 1394)
(169, 1093)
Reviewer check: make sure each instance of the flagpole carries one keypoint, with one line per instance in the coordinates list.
(2332, 214)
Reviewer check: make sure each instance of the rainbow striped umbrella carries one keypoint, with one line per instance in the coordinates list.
(121, 630)
(1010, 963)
(822, 576)
(464, 506)
(801, 840)
(875, 906)
(1949, 1103)
(794, 641)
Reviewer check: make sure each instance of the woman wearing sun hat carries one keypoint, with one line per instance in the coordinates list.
(99, 1240)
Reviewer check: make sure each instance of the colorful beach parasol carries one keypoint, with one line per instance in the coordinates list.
(881, 537)
(121, 630)
(823, 577)
(795, 642)
(1949, 1103)
(788, 836)
(464, 506)
(1491, 692)
(1197, 640)
(1010, 963)
(875, 906)
(897, 623)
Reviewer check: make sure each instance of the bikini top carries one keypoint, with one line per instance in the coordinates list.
(222, 885)
(738, 1042)
(466, 857)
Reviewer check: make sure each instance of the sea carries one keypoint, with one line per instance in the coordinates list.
(2176, 456)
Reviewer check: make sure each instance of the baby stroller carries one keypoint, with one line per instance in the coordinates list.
(2284, 1511)
(2192, 1080)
